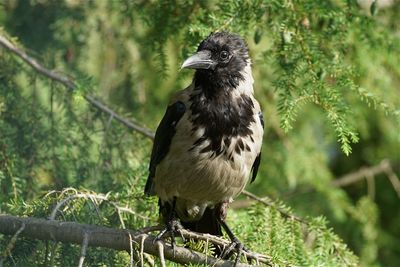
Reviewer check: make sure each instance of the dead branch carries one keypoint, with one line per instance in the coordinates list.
(118, 239)
(366, 172)
(71, 85)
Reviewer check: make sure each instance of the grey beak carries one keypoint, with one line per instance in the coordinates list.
(200, 60)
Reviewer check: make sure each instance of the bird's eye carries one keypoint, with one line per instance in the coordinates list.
(224, 55)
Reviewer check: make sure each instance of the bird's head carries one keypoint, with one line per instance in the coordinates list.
(220, 61)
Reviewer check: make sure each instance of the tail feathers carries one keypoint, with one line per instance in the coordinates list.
(207, 224)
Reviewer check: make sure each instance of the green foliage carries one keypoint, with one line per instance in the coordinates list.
(326, 74)
(292, 243)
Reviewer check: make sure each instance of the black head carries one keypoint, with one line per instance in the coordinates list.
(219, 61)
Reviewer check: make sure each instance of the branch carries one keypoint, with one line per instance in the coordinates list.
(219, 241)
(383, 167)
(93, 198)
(118, 239)
(270, 203)
(98, 236)
(71, 85)
(11, 244)
(367, 173)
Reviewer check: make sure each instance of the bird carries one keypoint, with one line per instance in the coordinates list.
(208, 144)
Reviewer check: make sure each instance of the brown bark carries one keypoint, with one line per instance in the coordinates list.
(98, 236)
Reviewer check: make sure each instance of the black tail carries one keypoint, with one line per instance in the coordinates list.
(207, 224)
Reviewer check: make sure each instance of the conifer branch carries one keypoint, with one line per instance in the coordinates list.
(118, 239)
(71, 85)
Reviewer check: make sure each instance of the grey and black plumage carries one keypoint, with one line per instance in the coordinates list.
(208, 145)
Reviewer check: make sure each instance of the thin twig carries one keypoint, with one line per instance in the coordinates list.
(370, 185)
(141, 250)
(71, 85)
(11, 244)
(130, 249)
(99, 197)
(394, 180)
(272, 204)
(160, 247)
(85, 243)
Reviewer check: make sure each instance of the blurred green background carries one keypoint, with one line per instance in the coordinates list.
(327, 74)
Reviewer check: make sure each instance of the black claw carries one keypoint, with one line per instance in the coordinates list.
(239, 253)
(234, 246)
(172, 228)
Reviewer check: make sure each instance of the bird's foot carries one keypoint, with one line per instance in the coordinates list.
(172, 229)
(234, 246)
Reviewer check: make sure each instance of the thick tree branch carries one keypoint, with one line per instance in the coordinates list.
(98, 236)
(71, 85)
(94, 198)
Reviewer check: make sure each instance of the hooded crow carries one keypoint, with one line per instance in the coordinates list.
(208, 144)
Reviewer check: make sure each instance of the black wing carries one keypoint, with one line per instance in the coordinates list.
(162, 140)
(257, 161)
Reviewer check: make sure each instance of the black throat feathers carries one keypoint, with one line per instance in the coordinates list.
(222, 117)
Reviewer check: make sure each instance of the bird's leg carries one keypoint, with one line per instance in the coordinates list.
(235, 245)
(173, 226)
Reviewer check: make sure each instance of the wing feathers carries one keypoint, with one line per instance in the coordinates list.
(257, 161)
(162, 140)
